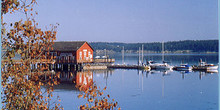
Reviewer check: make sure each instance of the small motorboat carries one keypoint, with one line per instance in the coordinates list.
(183, 67)
(205, 66)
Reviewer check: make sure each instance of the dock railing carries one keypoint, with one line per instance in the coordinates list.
(105, 60)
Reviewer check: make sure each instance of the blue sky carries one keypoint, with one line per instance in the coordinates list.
(130, 20)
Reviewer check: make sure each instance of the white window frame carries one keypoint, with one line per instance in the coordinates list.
(80, 55)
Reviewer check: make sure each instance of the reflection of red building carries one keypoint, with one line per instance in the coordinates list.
(84, 79)
(72, 52)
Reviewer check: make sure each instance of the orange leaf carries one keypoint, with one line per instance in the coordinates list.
(79, 96)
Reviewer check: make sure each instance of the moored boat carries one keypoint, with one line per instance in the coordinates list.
(183, 67)
(145, 67)
(205, 66)
(163, 65)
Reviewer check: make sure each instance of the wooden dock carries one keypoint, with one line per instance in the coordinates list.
(94, 67)
(105, 60)
(129, 67)
(109, 66)
(100, 64)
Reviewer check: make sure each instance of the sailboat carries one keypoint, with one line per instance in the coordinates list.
(141, 65)
(163, 65)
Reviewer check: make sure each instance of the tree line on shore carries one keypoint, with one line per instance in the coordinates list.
(171, 46)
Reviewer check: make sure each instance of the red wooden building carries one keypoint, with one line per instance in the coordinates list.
(72, 52)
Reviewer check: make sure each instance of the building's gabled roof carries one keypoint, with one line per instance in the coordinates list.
(68, 45)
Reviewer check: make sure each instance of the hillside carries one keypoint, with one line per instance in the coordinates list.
(155, 47)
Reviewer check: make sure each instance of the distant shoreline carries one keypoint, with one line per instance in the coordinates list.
(113, 52)
(187, 46)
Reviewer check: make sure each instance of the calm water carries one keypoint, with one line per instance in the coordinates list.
(154, 90)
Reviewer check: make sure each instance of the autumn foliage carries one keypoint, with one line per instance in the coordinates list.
(23, 39)
(96, 99)
(25, 46)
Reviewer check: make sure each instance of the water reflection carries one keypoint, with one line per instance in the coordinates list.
(69, 79)
(160, 71)
(157, 83)
(183, 73)
(84, 78)
(155, 89)
(205, 73)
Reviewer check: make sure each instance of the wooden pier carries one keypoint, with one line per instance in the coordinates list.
(94, 67)
(105, 60)
(18, 61)
(129, 67)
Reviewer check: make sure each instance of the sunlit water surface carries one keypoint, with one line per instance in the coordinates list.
(152, 90)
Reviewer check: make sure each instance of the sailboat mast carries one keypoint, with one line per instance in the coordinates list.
(162, 51)
(139, 58)
(142, 60)
(123, 55)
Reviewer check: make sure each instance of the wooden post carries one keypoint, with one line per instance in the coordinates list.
(68, 67)
(74, 66)
(62, 67)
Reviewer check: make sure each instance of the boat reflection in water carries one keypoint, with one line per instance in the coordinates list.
(211, 71)
(201, 72)
(207, 72)
(69, 79)
(183, 72)
(164, 72)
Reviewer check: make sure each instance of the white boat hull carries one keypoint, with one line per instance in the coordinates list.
(206, 67)
(212, 67)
